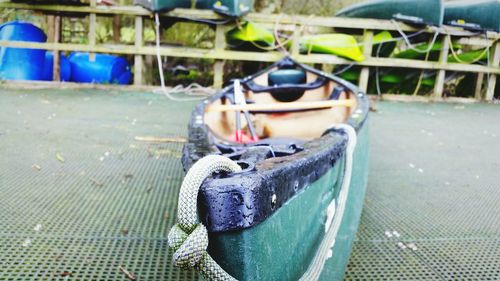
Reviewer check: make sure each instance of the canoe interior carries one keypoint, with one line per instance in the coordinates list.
(282, 247)
(306, 125)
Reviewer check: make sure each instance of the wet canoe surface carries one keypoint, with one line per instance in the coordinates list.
(271, 251)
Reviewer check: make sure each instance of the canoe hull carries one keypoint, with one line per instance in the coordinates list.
(430, 11)
(231, 8)
(282, 247)
(483, 12)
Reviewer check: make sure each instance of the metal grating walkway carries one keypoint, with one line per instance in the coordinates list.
(80, 197)
(434, 180)
(109, 204)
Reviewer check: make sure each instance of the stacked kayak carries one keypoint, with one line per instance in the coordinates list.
(485, 13)
(63, 2)
(419, 51)
(419, 11)
(342, 45)
(250, 36)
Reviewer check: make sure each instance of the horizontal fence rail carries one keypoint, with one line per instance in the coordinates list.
(219, 53)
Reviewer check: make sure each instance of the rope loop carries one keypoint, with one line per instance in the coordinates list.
(190, 248)
(189, 237)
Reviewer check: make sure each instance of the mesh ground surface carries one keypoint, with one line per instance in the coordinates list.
(109, 204)
(434, 180)
(80, 197)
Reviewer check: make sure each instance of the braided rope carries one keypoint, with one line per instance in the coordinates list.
(189, 238)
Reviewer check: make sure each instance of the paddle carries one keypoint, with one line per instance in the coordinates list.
(239, 99)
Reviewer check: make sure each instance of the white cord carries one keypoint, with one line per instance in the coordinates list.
(336, 208)
(410, 45)
(196, 91)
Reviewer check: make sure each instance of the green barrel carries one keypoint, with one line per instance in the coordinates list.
(430, 11)
(283, 246)
(486, 13)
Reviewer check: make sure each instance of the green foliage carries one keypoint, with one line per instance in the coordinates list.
(127, 35)
(103, 34)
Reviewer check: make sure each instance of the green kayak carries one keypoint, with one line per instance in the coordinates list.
(426, 11)
(420, 55)
(250, 36)
(486, 13)
(344, 45)
(338, 44)
(469, 56)
(60, 2)
(292, 210)
(383, 44)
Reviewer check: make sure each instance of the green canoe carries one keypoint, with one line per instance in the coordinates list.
(275, 219)
(429, 11)
(486, 13)
(231, 8)
(250, 36)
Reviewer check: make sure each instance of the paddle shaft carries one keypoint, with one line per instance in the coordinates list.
(281, 106)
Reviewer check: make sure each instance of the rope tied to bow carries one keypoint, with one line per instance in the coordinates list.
(189, 237)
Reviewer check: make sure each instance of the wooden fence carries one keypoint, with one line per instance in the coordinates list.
(220, 53)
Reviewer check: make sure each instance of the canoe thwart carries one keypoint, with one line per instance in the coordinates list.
(281, 106)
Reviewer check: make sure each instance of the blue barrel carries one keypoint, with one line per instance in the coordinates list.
(21, 64)
(106, 69)
(64, 67)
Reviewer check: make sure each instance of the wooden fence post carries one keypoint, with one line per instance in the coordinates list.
(478, 94)
(92, 26)
(138, 59)
(53, 35)
(492, 80)
(295, 41)
(56, 71)
(220, 44)
(441, 75)
(367, 52)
